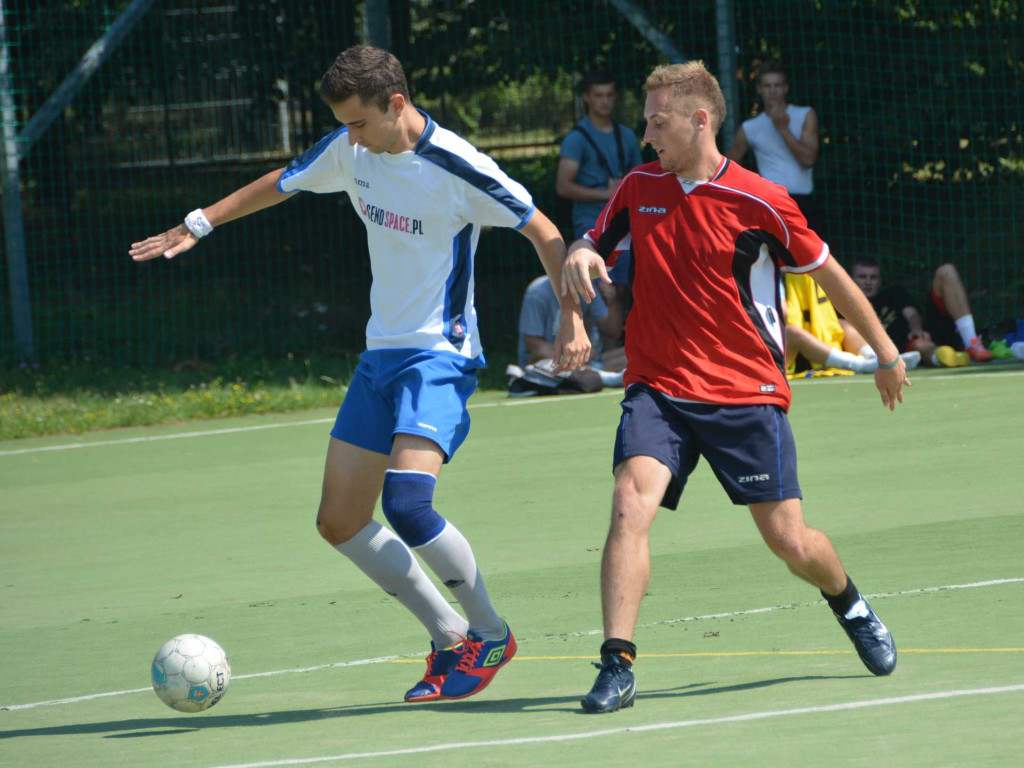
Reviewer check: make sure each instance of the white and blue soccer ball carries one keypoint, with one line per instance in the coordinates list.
(191, 673)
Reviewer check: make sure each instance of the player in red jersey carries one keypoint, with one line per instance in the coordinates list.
(707, 363)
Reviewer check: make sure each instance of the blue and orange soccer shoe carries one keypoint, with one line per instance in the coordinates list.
(480, 662)
(440, 664)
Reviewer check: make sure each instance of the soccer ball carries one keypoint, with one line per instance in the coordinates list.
(191, 673)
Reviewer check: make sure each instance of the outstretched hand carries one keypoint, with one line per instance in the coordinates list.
(169, 244)
(890, 383)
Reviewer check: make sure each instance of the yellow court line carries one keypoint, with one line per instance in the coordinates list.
(743, 653)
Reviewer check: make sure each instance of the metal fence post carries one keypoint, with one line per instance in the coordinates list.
(725, 27)
(378, 23)
(14, 220)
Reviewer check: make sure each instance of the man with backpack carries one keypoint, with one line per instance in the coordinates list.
(595, 154)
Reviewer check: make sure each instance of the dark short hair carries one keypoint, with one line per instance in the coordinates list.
(771, 67)
(372, 74)
(598, 77)
(865, 261)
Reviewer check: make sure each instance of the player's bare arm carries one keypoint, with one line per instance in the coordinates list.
(566, 185)
(572, 344)
(854, 306)
(582, 265)
(253, 197)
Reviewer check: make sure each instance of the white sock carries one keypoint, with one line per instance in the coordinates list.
(935, 361)
(451, 558)
(839, 359)
(965, 326)
(389, 563)
(868, 352)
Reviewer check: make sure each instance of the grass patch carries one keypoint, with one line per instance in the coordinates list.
(40, 399)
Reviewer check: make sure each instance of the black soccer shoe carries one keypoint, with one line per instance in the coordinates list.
(614, 688)
(872, 640)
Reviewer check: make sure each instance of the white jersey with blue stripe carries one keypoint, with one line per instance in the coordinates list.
(423, 211)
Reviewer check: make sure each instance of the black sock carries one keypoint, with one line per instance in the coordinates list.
(616, 646)
(844, 601)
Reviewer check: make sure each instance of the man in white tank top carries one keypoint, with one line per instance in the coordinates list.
(784, 139)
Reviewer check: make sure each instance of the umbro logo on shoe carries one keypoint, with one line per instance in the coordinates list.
(494, 657)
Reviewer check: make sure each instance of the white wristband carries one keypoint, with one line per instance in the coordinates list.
(198, 224)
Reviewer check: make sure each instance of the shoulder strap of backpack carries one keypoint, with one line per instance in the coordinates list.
(622, 149)
(605, 166)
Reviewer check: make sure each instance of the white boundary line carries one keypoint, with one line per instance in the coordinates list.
(382, 659)
(155, 438)
(745, 718)
(503, 404)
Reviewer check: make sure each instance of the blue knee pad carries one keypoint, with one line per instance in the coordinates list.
(408, 506)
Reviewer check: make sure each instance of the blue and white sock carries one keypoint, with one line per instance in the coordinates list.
(408, 503)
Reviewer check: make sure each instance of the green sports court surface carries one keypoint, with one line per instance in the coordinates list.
(111, 543)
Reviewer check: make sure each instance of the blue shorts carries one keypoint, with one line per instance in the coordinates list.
(750, 447)
(410, 392)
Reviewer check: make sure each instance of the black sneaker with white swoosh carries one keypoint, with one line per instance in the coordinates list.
(870, 637)
(614, 688)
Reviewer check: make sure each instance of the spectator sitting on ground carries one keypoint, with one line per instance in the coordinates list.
(827, 344)
(947, 322)
(539, 320)
(826, 360)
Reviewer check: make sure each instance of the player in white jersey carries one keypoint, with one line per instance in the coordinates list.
(423, 195)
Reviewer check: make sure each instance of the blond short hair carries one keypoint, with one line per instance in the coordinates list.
(690, 86)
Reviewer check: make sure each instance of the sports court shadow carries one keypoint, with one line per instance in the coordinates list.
(175, 725)
(172, 726)
(572, 703)
(692, 690)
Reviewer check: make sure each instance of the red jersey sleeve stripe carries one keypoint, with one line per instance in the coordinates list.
(822, 258)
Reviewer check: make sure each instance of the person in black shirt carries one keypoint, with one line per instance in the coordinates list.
(947, 322)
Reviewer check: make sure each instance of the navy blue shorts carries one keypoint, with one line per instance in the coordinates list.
(750, 447)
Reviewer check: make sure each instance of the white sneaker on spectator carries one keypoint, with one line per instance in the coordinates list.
(911, 360)
(610, 378)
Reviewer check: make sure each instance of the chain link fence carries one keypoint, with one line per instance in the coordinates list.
(922, 157)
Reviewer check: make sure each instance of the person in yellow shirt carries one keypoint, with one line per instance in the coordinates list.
(814, 331)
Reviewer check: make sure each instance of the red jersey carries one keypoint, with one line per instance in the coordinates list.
(707, 322)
